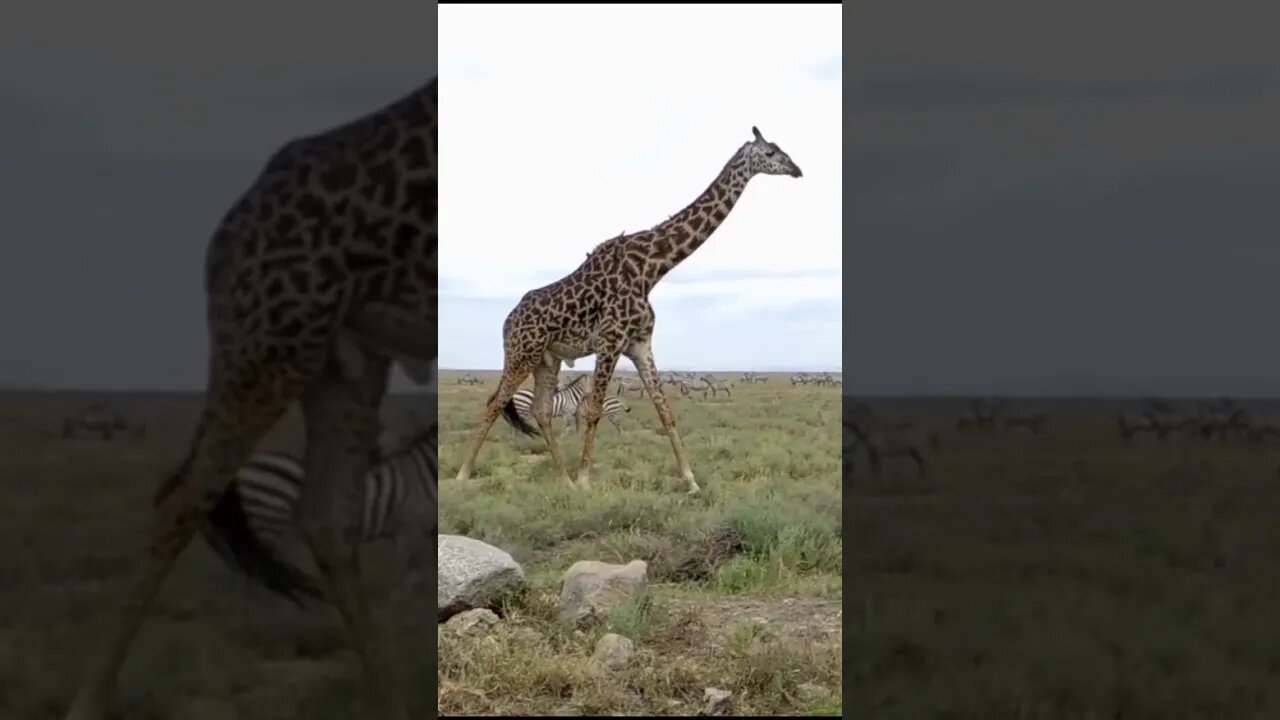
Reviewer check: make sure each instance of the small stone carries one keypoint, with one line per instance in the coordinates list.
(717, 700)
(475, 620)
(591, 589)
(614, 651)
(812, 692)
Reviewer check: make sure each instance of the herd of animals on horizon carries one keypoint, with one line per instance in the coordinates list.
(872, 435)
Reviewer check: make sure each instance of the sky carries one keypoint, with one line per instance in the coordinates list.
(611, 119)
(1062, 198)
(1069, 198)
(127, 129)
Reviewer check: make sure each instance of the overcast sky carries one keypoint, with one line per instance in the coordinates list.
(611, 119)
(1069, 197)
(1063, 198)
(127, 129)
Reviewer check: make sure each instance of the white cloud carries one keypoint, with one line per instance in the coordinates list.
(610, 119)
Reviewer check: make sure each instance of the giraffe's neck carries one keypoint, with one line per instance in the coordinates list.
(676, 239)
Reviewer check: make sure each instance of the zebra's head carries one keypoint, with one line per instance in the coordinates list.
(766, 158)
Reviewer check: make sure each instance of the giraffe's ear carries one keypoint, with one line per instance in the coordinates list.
(756, 131)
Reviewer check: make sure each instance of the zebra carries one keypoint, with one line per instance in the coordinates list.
(609, 410)
(889, 442)
(1031, 421)
(673, 379)
(96, 419)
(398, 494)
(469, 379)
(713, 386)
(825, 378)
(1236, 422)
(627, 384)
(1131, 424)
(985, 412)
(518, 411)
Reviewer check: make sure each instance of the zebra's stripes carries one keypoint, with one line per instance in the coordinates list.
(609, 410)
(564, 403)
(399, 493)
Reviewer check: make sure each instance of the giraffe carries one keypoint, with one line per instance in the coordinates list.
(603, 308)
(319, 276)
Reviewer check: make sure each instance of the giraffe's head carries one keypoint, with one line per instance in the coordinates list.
(766, 158)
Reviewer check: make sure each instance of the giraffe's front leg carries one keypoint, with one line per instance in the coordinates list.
(641, 355)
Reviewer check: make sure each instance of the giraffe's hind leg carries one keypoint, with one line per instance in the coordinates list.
(545, 378)
(238, 413)
(591, 410)
(514, 372)
(341, 416)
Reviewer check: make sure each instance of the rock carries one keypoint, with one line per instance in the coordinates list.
(614, 651)
(469, 621)
(717, 700)
(811, 692)
(591, 589)
(472, 574)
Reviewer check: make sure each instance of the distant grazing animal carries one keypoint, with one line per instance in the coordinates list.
(1131, 424)
(885, 443)
(626, 385)
(1032, 421)
(714, 386)
(96, 419)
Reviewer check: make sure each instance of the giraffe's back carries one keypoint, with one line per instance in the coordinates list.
(334, 221)
(605, 292)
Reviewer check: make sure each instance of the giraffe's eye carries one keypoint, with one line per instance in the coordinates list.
(768, 153)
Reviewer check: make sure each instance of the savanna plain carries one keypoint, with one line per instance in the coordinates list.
(1067, 573)
(744, 591)
(744, 580)
(73, 510)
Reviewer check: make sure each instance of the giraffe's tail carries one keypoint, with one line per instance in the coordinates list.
(513, 419)
(227, 530)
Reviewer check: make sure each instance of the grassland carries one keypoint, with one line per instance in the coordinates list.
(72, 511)
(758, 615)
(1067, 575)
